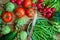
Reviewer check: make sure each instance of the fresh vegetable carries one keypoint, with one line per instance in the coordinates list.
(9, 7)
(18, 2)
(30, 12)
(9, 36)
(33, 5)
(40, 30)
(7, 16)
(52, 4)
(5, 29)
(55, 20)
(22, 35)
(40, 1)
(27, 3)
(39, 5)
(13, 1)
(19, 12)
(0, 12)
(48, 15)
(19, 23)
(1, 22)
(34, 1)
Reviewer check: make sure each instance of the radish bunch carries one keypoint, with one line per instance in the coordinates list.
(46, 11)
(18, 2)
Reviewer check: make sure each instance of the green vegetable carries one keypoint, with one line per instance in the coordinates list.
(0, 12)
(34, 1)
(55, 20)
(43, 30)
(9, 36)
(9, 6)
(5, 29)
(52, 4)
(19, 23)
(22, 35)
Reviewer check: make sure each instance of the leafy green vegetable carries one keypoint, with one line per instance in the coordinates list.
(22, 35)
(9, 36)
(5, 29)
(19, 22)
(52, 4)
(56, 20)
(34, 1)
(9, 6)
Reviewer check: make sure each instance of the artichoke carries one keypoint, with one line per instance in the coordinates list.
(9, 6)
(5, 29)
(22, 35)
(19, 22)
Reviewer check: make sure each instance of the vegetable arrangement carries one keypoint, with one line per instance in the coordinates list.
(22, 35)
(5, 29)
(43, 30)
(9, 36)
(56, 20)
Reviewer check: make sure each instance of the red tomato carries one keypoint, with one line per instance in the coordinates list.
(7, 16)
(27, 3)
(19, 12)
(30, 12)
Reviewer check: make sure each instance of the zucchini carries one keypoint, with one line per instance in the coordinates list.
(9, 36)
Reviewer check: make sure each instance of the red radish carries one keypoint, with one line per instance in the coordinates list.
(40, 1)
(13, 1)
(40, 10)
(39, 5)
(48, 9)
(44, 14)
(33, 5)
(45, 7)
(45, 10)
(52, 9)
(18, 2)
(48, 16)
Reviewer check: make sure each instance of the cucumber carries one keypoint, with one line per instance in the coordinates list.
(9, 36)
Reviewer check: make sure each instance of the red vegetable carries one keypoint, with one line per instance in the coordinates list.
(48, 9)
(52, 9)
(13, 1)
(45, 9)
(39, 5)
(33, 5)
(18, 2)
(44, 14)
(30, 12)
(7, 16)
(48, 16)
(19, 12)
(27, 3)
(40, 1)
(40, 10)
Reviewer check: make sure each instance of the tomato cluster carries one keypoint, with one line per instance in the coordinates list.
(19, 12)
